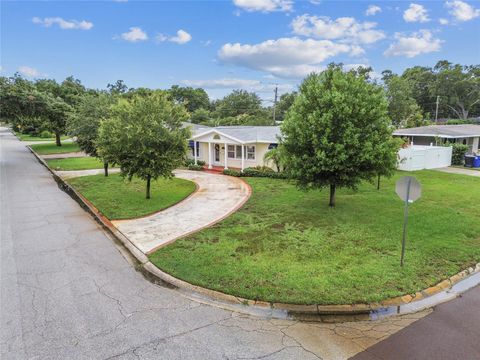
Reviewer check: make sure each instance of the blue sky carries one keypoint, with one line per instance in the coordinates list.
(222, 45)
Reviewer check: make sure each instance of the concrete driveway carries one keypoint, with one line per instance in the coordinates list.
(217, 196)
(69, 292)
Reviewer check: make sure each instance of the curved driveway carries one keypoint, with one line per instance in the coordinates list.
(68, 292)
(216, 197)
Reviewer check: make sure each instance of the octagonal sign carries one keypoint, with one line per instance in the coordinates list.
(402, 188)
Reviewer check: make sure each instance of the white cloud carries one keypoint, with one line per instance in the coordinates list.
(284, 57)
(265, 6)
(344, 28)
(181, 38)
(135, 34)
(462, 11)
(372, 10)
(443, 21)
(421, 42)
(28, 71)
(416, 13)
(63, 24)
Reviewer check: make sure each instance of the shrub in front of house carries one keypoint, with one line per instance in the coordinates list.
(458, 153)
(257, 171)
(195, 167)
(189, 162)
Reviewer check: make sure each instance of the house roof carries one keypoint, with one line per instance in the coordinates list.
(442, 131)
(243, 134)
(196, 128)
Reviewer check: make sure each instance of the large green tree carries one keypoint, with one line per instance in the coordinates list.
(402, 107)
(458, 88)
(285, 102)
(58, 103)
(335, 131)
(192, 99)
(238, 102)
(84, 123)
(145, 136)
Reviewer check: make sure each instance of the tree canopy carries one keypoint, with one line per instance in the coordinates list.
(336, 131)
(145, 136)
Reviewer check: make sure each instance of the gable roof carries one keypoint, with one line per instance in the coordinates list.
(442, 131)
(243, 134)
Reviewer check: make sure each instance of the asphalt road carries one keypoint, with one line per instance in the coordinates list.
(67, 291)
(450, 332)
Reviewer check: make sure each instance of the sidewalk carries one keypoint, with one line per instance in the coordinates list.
(461, 171)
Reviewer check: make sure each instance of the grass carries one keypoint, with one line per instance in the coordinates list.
(117, 198)
(47, 149)
(76, 163)
(285, 245)
(28, 137)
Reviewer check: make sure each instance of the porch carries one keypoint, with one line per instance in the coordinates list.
(222, 151)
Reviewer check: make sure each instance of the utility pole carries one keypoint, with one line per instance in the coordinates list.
(436, 110)
(275, 103)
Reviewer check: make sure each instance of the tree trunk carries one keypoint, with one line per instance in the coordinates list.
(332, 195)
(148, 187)
(378, 182)
(105, 168)
(57, 139)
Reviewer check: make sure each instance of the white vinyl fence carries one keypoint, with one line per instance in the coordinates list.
(417, 157)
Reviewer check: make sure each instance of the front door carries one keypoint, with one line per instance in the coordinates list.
(216, 153)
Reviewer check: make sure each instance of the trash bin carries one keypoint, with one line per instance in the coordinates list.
(476, 162)
(469, 160)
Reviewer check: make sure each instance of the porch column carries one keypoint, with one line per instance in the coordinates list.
(195, 151)
(209, 155)
(226, 155)
(243, 157)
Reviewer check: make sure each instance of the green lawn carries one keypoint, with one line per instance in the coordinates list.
(46, 149)
(77, 163)
(117, 198)
(28, 137)
(285, 245)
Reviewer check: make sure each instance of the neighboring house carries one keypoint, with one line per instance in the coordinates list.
(235, 147)
(440, 134)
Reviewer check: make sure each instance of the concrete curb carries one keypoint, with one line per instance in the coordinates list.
(445, 290)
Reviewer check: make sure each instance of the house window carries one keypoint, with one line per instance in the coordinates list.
(231, 151)
(191, 146)
(251, 152)
(216, 137)
(235, 152)
(239, 152)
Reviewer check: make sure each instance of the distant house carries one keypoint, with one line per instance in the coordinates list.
(440, 134)
(236, 147)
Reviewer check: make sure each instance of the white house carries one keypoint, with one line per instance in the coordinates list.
(235, 147)
(439, 134)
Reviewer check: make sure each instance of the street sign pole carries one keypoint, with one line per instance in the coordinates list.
(405, 221)
(408, 190)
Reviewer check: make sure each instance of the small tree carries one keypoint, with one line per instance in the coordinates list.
(85, 122)
(144, 135)
(336, 131)
(274, 155)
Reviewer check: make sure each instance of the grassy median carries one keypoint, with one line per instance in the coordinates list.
(117, 198)
(78, 163)
(51, 148)
(286, 245)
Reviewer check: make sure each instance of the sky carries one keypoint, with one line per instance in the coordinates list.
(233, 44)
